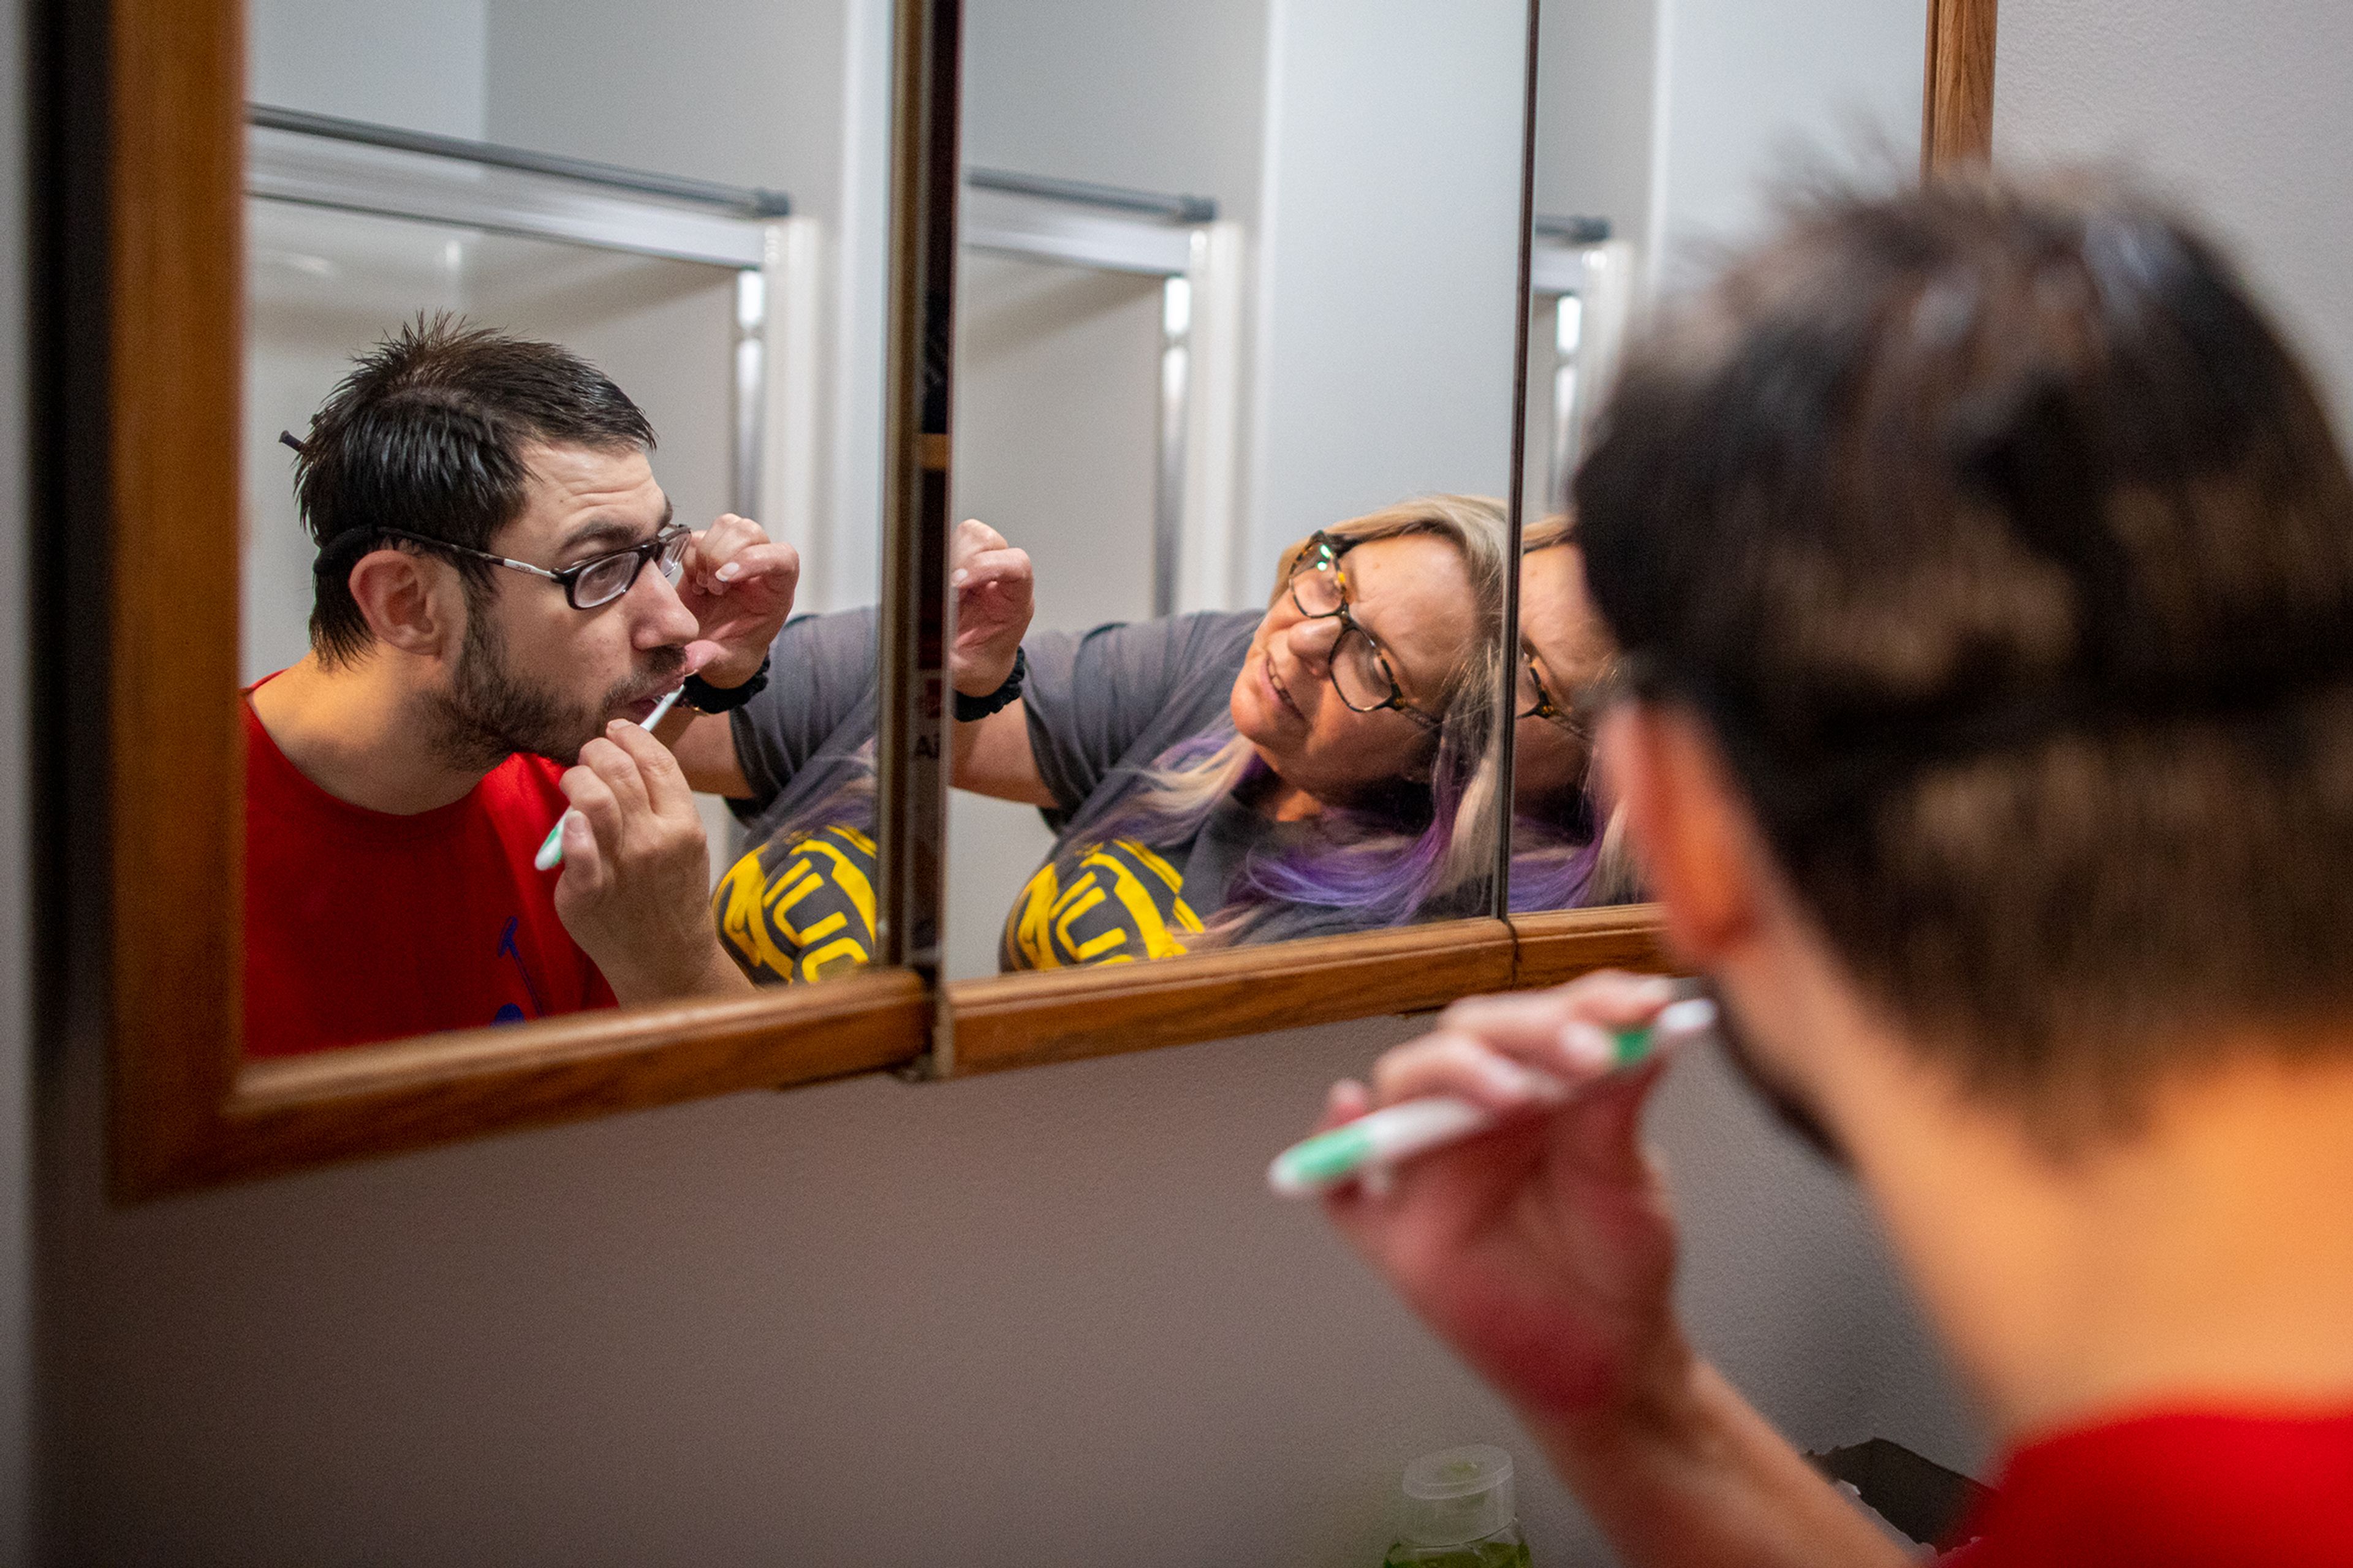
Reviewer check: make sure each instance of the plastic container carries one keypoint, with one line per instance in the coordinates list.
(1459, 1512)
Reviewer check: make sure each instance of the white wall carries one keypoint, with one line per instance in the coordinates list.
(2243, 112)
(1046, 1319)
(1387, 267)
(1160, 98)
(412, 63)
(786, 96)
(1597, 83)
(1753, 90)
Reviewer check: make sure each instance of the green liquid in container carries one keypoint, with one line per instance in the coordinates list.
(1457, 1512)
(1503, 1551)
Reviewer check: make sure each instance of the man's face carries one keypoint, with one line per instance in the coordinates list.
(536, 675)
(1789, 1105)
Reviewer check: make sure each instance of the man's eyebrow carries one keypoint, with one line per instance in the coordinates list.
(613, 531)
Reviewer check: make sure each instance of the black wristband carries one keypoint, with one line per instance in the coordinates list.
(969, 708)
(704, 698)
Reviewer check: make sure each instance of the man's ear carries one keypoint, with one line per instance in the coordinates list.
(1690, 831)
(411, 603)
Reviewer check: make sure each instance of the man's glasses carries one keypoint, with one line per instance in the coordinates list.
(1360, 670)
(593, 583)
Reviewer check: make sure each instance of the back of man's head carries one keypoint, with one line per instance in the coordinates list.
(428, 436)
(2007, 553)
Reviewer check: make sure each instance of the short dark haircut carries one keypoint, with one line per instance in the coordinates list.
(2006, 552)
(426, 435)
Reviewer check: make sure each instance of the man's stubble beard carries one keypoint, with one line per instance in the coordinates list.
(1784, 1102)
(490, 712)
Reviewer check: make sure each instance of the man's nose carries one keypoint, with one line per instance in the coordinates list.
(662, 618)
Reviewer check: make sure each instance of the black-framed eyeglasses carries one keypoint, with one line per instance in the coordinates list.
(1359, 668)
(592, 583)
(1534, 700)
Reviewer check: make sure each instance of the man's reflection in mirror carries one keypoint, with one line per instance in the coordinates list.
(1568, 846)
(1222, 778)
(485, 640)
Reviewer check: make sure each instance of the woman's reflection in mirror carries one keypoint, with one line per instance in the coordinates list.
(1220, 778)
(485, 640)
(1213, 779)
(796, 765)
(1568, 846)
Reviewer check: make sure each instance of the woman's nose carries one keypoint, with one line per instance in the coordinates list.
(1312, 639)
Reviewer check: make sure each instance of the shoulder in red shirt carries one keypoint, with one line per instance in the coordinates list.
(361, 925)
(2177, 1489)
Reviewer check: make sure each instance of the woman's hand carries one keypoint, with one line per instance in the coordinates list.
(636, 889)
(740, 585)
(1543, 1250)
(995, 595)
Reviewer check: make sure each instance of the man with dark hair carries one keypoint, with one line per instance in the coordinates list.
(1982, 564)
(485, 643)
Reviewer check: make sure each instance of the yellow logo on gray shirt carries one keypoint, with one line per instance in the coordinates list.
(1122, 903)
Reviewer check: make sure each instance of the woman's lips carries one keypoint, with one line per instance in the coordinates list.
(1276, 690)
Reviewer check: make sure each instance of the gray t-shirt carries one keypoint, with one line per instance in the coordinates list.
(811, 730)
(1105, 708)
(799, 904)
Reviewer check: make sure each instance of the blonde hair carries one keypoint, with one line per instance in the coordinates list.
(1183, 791)
(1593, 864)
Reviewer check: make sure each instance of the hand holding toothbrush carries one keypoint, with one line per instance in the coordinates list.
(1543, 1249)
(636, 888)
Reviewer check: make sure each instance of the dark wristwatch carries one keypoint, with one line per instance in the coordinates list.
(970, 708)
(704, 698)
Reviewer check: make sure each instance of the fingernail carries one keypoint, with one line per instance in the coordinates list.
(730, 572)
(1513, 1081)
(1587, 1047)
(959, 575)
(1657, 989)
(574, 824)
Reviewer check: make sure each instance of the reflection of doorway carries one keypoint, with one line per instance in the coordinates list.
(1096, 413)
(677, 289)
(1581, 287)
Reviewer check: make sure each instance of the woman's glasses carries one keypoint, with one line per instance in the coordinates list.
(596, 581)
(1360, 670)
(1534, 698)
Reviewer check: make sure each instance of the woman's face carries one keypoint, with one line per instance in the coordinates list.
(1570, 648)
(1412, 595)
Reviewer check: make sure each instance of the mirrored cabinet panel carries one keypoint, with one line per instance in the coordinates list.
(1235, 340)
(1654, 147)
(551, 448)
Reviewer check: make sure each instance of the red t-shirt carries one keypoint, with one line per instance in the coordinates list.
(2175, 1490)
(360, 925)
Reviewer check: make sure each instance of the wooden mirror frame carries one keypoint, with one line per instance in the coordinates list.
(143, 304)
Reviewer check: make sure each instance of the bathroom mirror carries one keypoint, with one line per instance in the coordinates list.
(537, 424)
(1655, 148)
(1361, 258)
(763, 255)
(1234, 369)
